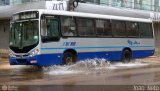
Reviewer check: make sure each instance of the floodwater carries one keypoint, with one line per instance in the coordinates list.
(88, 72)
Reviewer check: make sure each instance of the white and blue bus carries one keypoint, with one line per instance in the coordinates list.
(49, 37)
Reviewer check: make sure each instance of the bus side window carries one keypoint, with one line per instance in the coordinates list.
(100, 28)
(49, 29)
(68, 26)
(145, 30)
(118, 28)
(103, 28)
(132, 29)
(107, 28)
(85, 27)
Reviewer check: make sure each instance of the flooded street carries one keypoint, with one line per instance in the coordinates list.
(95, 72)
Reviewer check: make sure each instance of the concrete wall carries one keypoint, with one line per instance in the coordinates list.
(4, 34)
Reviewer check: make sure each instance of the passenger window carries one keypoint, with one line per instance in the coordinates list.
(118, 28)
(85, 27)
(68, 26)
(49, 29)
(103, 28)
(145, 30)
(132, 29)
(107, 28)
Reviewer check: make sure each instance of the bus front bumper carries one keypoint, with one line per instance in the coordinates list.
(23, 61)
(38, 60)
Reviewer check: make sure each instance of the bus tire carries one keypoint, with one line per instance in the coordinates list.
(69, 58)
(126, 56)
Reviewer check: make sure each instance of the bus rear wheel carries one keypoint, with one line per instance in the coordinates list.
(126, 56)
(69, 58)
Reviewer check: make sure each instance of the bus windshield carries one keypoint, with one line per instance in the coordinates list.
(24, 35)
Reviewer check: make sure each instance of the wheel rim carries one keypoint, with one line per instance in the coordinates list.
(69, 60)
(127, 56)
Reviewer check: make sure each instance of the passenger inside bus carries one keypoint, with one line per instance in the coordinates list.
(67, 31)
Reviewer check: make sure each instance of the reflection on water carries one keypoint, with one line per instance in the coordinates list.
(25, 73)
(20, 73)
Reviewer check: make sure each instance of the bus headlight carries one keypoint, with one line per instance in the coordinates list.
(34, 52)
(11, 54)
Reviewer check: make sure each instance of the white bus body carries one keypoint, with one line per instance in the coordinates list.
(89, 40)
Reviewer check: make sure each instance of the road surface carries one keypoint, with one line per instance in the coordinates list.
(141, 75)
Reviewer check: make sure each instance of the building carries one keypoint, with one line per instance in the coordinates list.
(130, 8)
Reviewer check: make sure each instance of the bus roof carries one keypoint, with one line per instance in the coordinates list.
(88, 15)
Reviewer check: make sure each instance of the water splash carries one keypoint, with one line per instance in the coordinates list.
(82, 66)
(88, 65)
(130, 65)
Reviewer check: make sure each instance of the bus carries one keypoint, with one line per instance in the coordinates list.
(51, 37)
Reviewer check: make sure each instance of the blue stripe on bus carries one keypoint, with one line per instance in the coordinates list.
(56, 59)
(97, 47)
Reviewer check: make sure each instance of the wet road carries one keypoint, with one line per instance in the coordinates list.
(88, 73)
